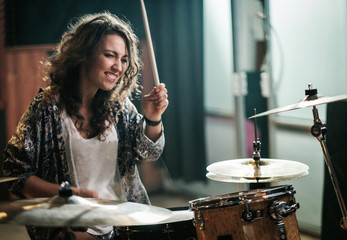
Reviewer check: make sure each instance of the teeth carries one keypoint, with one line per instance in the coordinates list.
(111, 76)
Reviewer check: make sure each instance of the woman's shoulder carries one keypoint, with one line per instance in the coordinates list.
(44, 98)
(41, 106)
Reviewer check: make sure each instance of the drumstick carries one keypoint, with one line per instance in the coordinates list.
(149, 44)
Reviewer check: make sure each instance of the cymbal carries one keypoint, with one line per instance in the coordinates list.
(7, 179)
(222, 178)
(78, 211)
(247, 171)
(308, 101)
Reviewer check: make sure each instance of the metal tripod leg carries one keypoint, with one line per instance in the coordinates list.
(318, 130)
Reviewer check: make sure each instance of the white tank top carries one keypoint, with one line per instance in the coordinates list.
(93, 165)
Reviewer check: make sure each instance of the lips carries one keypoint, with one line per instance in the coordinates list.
(111, 76)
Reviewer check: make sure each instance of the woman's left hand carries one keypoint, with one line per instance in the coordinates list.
(155, 103)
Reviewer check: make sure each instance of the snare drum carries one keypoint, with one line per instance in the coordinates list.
(260, 214)
(178, 227)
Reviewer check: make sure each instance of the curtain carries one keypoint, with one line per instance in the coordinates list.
(178, 42)
(337, 147)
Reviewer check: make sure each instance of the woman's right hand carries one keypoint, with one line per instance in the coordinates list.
(82, 192)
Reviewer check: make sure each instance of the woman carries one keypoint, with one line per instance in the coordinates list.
(83, 128)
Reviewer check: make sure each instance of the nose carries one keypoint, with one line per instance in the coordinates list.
(117, 65)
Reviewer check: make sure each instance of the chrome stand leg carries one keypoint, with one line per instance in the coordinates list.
(318, 130)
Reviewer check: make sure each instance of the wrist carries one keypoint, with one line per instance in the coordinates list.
(76, 191)
(152, 123)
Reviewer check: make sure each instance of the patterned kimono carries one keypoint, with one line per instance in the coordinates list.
(38, 148)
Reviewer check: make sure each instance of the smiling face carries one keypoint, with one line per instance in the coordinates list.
(105, 66)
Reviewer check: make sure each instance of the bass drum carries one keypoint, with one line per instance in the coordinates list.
(178, 227)
(260, 214)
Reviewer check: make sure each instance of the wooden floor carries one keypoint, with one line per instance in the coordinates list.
(17, 232)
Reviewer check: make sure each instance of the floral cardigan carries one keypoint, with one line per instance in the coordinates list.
(38, 148)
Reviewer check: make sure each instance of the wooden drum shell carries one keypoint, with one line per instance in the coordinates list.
(224, 222)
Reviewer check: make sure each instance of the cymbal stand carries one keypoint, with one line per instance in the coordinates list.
(256, 142)
(318, 130)
(256, 157)
(64, 232)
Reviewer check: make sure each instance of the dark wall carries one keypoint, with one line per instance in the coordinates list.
(337, 147)
(40, 21)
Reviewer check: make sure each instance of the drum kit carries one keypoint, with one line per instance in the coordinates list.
(265, 213)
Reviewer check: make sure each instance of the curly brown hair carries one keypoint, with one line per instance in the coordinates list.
(80, 41)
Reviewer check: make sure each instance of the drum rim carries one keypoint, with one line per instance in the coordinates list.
(242, 197)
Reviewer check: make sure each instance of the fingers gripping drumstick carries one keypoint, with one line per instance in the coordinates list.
(149, 44)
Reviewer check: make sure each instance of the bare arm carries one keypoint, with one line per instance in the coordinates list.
(36, 187)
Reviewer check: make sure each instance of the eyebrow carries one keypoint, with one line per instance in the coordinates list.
(114, 52)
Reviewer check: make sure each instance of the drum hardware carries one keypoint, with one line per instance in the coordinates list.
(279, 209)
(256, 156)
(318, 130)
(256, 142)
(198, 220)
(249, 216)
(65, 191)
(281, 229)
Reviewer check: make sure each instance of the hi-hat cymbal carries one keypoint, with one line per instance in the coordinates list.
(7, 179)
(308, 101)
(78, 211)
(247, 171)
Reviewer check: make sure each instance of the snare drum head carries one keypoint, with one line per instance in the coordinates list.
(179, 216)
(237, 198)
